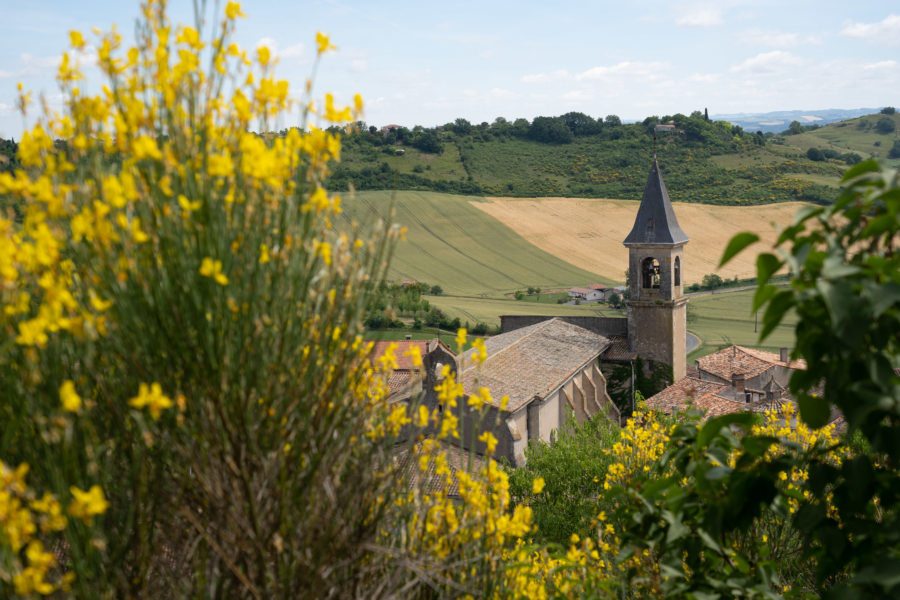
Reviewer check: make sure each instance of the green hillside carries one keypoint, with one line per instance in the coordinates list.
(867, 136)
(574, 155)
(452, 244)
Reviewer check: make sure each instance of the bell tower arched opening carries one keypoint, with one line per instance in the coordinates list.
(650, 273)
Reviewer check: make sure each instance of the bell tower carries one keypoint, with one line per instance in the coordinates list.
(657, 308)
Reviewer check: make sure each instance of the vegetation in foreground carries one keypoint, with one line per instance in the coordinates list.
(189, 408)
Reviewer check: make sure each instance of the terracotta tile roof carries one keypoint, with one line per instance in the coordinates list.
(581, 290)
(532, 361)
(775, 359)
(618, 350)
(597, 286)
(715, 398)
(740, 360)
(457, 460)
(703, 394)
(398, 380)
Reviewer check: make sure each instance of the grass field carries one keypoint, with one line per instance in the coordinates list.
(725, 318)
(488, 310)
(467, 252)
(589, 232)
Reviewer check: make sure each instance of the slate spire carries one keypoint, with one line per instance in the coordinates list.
(655, 222)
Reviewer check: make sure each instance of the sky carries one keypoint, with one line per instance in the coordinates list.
(417, 62)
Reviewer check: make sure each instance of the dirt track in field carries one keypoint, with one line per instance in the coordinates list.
(588, 232)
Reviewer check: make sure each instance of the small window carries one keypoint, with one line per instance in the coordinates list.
(677, 271)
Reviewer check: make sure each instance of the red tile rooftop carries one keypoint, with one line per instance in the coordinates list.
(744, 361)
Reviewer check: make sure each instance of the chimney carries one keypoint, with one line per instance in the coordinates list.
(699, 372)
(737, 381)
(784, 355)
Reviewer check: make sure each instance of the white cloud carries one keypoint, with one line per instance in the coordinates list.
(359, 66)
(698, 15)
(882, 64)
(577, 95)
(501, 94)
(293, 51)
(885, 32)
(560, 75)
(629, 68)
(777, 39)
(768, 62)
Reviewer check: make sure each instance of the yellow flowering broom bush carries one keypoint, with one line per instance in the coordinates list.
(185, 383)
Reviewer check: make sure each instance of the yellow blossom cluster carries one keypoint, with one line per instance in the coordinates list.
(641, 442)
(25, 520)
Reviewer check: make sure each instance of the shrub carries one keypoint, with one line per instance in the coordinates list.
(815, 154)
(885, 125)
(188, 408)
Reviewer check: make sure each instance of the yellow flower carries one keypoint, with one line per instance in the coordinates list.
(145, 147)
(70, 399)
(323, 43)
(263, 254)
(480, 354)
(188, 206)
(461, 338)
(423, 416)
(415, 355)
(538, 486)
(491, 444)
(76, 39)
(151, 397)
(233, 10)
(213, 268)
(85, 505)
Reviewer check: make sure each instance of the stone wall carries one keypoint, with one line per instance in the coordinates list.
(607, 326)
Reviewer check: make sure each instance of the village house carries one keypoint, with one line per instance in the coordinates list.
(547, 370)
(733, 379)
(587, 294)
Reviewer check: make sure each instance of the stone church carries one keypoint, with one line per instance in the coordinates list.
(548, 366)
(655, 327)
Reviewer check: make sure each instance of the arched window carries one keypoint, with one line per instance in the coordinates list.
(677, 271)
(650, 273)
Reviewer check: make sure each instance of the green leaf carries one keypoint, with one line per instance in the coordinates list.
(778, 306)
(717, 473)
(886, 574)
(762, 295)
(866, 166)
(677, 529)
(712, 427)
(766, 266)
(738, 243)
(708, 541)
(814, 410)
(834, 267)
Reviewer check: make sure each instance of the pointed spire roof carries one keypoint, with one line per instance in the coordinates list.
(655, 222)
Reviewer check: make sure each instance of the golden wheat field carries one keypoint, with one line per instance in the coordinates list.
(588, 232)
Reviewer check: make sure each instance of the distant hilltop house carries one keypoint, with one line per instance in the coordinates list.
(664, 127)
(588, 294)
(390, 128)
